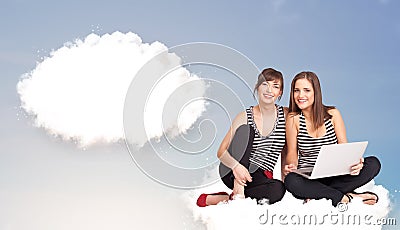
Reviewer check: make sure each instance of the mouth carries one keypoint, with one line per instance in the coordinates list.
(301, 101)
(268, 95)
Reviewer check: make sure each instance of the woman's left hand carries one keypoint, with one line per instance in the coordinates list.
(355, 169)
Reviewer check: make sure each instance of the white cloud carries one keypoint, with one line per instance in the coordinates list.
(290, 213)
(78, 92)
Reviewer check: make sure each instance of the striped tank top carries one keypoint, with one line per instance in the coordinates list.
(266, 149)
(309, 146)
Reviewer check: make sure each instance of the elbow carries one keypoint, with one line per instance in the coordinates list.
(220, 154)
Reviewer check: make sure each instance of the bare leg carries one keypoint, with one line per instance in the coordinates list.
(238, 190)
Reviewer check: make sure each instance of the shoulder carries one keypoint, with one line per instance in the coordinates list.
(334, 112)
(241, 115)
(293, 118)
(336, 117)
(293, 115)
(240, 119)
(285, 110)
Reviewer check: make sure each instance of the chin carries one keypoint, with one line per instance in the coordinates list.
(267, 102)
(302, 107)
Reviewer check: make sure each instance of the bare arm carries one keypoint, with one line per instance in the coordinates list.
(340, 131)
(338, 124)
(291, 142)
(240, 172)
(223, 154)
(284, 150)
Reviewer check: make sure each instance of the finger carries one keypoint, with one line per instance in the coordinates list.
(356, 167)
(249, 178)
(287, 171)
(240, 182)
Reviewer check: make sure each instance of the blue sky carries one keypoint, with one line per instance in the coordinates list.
(353, 46)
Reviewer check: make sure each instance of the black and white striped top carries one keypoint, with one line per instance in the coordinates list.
(309, 146)
(266, 149)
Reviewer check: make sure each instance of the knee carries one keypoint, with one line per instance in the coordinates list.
(279, 191)
(292, 182)
(373, 164)
(226, 176)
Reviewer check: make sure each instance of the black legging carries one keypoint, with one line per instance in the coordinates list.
(261, 187)
(332, 188)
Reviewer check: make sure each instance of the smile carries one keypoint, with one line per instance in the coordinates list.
(268, 95)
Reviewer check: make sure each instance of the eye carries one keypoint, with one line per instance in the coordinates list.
(307, 90)
(276, 86)
(296, 90)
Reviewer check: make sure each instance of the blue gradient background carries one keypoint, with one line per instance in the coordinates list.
(352, 45)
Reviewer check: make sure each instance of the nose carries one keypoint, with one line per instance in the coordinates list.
(268, 88)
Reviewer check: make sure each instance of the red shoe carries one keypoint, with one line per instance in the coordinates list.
(201, 201)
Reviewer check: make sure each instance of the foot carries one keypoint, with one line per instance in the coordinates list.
(369, 198)
(211, 199)
(234, 196)
(346, 198)
(215, 199)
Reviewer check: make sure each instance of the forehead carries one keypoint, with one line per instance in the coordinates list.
(303, 83)
(274, 81)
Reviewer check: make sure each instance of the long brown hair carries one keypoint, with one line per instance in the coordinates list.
(269, 74)
(319, 110)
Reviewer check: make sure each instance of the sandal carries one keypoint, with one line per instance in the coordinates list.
(349, 196)
(367, 192)
(201, 201)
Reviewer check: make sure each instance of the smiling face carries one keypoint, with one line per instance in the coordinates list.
(269, 86)
(303, 94)
(269, 91)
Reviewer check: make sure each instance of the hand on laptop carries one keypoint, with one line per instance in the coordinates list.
(355, 169)
(289, 168)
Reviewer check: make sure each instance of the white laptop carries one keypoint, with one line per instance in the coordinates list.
(335, 160)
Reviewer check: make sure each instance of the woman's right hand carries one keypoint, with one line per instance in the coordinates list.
(241, 174)
(289, 168)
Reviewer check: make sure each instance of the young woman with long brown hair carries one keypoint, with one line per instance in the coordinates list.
(311, 124)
